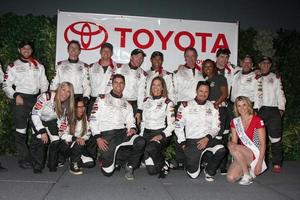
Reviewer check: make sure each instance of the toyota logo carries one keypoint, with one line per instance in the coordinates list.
(90, 35)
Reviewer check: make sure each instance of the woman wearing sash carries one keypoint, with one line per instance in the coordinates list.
(247, 145)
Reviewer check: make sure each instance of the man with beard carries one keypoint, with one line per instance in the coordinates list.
(197, 125)
(135, 78)
(25, 78)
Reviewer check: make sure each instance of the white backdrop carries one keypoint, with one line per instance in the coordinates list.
(170, 36)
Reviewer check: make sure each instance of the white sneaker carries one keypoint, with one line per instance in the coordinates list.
(142, 165)
(246, 180)
(208, 177)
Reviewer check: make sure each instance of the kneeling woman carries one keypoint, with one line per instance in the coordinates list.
(248, 143)
(78, 143)
(52, 110)
(157, 126)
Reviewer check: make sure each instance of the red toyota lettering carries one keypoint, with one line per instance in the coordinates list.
(138, 43)
(220, 42)
(203, 37)
(164, 39)
(123, 35)
(177, 40)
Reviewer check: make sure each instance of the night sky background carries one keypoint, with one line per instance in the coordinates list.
(259, 14)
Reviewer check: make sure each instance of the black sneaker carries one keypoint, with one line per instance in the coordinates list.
(208, 177)
(223, 172)
(164, 171)
(75, 169)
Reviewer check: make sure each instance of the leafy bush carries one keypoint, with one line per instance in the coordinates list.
(42, 31)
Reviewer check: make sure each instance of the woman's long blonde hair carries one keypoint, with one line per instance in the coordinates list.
(66, 109)
(248, 102)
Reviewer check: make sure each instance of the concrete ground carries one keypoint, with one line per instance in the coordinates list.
(22, 184)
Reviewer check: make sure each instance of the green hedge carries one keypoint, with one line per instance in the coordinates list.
(283, 46)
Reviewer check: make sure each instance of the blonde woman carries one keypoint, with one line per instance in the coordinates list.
(248, 143)
(51, 114)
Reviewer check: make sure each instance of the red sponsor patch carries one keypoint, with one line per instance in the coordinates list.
(38, 106)
(179, 116)
(63, 126)
(95, 108)
(5, 76)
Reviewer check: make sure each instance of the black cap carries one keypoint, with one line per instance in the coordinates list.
(157, 53)
(265, 58)
(107, 45)
(137, 51)
(24, 43)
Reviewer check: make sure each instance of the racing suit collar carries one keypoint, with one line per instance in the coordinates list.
(132, 67)
(266, 74)
(244, 73)
(24, 60)
(73, 61)
(115, 95)
(156, 97)
(200, 102)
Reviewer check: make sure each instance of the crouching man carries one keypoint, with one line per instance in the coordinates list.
(113, 126)
(197, 124)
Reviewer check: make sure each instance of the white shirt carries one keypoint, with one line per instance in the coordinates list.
(101, 82)
(111, 113)
(195, 121)
(185, 83)
(44, 110)
(158, 114)
(243, 85)
(270, 92)
(75, 73)
(135, 80)
(68, 137)
(27, 77)
(167, 76)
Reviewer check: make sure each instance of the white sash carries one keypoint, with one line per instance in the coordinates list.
(248, 143)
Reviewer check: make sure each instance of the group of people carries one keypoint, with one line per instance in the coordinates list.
(128, 116)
